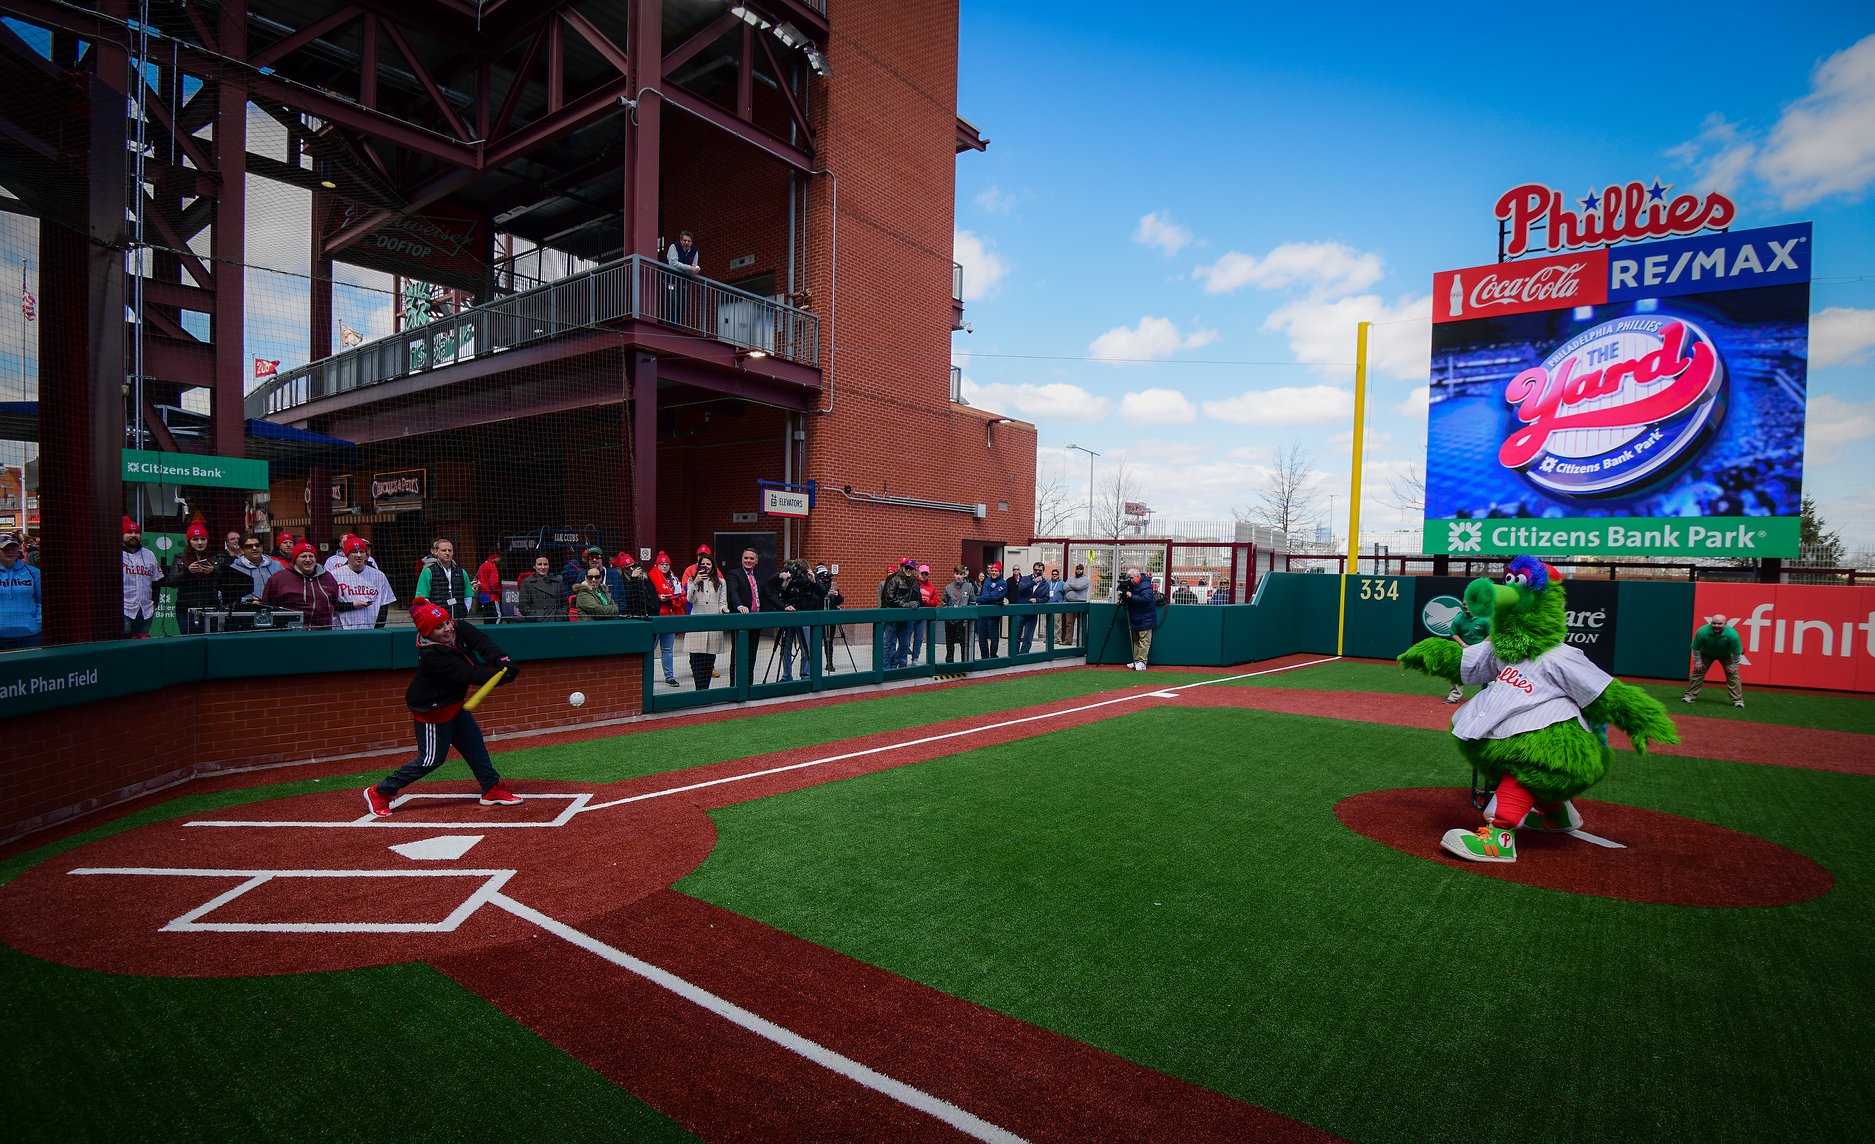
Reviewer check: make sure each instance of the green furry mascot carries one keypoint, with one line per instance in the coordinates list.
(1530, 728)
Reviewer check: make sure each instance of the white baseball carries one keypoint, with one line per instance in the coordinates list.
(577, 699)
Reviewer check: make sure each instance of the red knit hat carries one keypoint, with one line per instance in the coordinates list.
(132, 526)
(996, 568)
(427, 616)
(302, 546)
(663, 557)
(703, 550)
(354, 543)
(196, 528)
(287, 540)
(624, 560)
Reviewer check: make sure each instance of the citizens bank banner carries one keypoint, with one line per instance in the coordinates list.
(1643, 400)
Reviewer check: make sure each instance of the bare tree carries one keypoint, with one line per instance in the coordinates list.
(1286, 502)
(1054, 510)
(1111, 521)
(1408, 490)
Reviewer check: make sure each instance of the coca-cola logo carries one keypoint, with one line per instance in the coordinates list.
(1614, 404)
(1551, 283)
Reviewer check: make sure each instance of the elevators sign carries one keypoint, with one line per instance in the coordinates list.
(1590, 604)
(392, 492)
(342, 491)
(785, 502)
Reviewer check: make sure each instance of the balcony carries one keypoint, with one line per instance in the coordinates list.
(635, 289)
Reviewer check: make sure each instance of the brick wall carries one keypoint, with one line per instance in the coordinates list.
(94, 756)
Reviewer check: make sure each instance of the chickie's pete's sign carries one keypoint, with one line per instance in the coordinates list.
(1641, 399)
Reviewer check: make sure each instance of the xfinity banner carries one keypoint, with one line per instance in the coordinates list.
(1644, 400)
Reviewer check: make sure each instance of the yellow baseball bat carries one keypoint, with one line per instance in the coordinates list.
(481, 693)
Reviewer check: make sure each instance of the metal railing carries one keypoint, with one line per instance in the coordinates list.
(632, 288)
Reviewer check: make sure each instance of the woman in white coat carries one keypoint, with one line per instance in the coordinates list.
(705, 592)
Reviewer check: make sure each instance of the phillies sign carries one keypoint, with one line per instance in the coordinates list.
(1626, 213)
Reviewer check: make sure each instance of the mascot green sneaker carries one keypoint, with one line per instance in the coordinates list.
(1485, 844)
(1561, 819)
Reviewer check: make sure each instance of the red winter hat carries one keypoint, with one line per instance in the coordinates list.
(907, 562)
(354, 543)
(427, 616)
(663, 557)
(302, 546)
(703, 550)
(624, 560)
(996, 568)
(132, 526)
(196, 528)
(287, 540)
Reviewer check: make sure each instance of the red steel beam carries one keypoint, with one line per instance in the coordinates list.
(794, 156)
(280, 49)
(600, 42)
(429, 85)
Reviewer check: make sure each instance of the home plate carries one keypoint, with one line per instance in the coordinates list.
(442, 848)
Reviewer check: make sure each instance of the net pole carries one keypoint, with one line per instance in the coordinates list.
(1354, 497)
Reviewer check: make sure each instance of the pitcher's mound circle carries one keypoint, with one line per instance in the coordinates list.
(1667, 860)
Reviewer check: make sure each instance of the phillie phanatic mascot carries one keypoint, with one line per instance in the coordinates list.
(1539, 727)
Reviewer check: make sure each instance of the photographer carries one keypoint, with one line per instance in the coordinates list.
(793, 589)
(832, 599)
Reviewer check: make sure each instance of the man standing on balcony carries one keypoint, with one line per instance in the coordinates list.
(683, 257)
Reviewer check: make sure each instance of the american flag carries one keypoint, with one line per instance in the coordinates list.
(29, 305)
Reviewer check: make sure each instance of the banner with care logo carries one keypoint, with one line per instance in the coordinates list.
(1438, 600)
(1639, 400)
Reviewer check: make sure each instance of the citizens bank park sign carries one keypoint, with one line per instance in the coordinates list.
(1644, 399)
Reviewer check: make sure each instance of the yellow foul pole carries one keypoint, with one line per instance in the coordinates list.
(1354, 494)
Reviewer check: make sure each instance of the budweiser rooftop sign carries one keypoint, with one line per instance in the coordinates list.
(1579, 279)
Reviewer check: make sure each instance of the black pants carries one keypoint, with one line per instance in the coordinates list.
(956, 635)
(433, 743)
(989, 637)
(700, 668)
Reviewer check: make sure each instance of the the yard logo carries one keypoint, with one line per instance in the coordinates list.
(1465, 535)
(1439, 614)
(1612, 405)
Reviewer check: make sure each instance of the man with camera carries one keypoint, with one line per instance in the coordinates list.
(794, 589)
(832, 599)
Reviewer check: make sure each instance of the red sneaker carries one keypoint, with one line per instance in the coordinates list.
(500, 795)
(374, 798)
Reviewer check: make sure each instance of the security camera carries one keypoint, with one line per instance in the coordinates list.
(969, 329)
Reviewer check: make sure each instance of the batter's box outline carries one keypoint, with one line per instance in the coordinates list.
(189, 922)
(575, 803)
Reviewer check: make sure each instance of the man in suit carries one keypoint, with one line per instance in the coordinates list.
(742, 587)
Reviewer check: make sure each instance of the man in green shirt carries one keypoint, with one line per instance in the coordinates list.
(1716, 641)
(1467, 629)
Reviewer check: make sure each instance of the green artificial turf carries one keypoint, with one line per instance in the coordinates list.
(1173, 886)
(1844, 712)
(399, 1052)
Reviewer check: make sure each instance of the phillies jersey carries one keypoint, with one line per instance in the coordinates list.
(368, 586)
(141, 572)
(1521, 697)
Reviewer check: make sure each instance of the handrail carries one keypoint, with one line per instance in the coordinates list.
(634, 288)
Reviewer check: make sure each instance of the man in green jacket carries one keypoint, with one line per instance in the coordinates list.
(1716, 641)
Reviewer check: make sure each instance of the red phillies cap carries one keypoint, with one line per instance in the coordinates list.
(703, 550)
(196, 528)
(354, 543)
(996, 568)
(663, 557)
(302, 546)
(427, 616)
(132, 526)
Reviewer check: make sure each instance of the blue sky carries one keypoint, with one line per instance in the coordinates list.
(1220, 198)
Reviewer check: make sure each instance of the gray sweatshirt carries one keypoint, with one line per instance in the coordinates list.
(1077, 587)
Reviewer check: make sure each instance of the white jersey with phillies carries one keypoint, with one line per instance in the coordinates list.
(368, 586)
(1526, 696)
(141, 572)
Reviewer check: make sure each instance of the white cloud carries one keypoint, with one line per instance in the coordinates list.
(1057, 401)
(1157, 407)
(995, 200)
(1326, 268)
(1285, 406)
(1157, 229)
(1415, 403)
(1255, 454)
(1822, 145)
(1841, 336)
(984, 269)
(1323, 334)
(1825, 142)
(1151, 340)
(1371, 441)
(1834, 425)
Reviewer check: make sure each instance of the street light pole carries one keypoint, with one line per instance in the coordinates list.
(1090, 487)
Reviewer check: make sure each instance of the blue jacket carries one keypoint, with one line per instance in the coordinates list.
(995, 590)
(19, 601)
(1142, 607)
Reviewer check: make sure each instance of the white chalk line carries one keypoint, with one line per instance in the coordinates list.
(189, 921)
(368, 821)
(845, 1066)
(840, 758)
